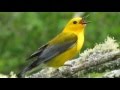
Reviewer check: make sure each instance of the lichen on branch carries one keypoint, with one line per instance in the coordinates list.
(103, 56)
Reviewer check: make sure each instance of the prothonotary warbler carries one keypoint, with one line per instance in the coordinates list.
(63, 47)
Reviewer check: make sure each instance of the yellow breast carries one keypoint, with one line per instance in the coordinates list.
(80, 41)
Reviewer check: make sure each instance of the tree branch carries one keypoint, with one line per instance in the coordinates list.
(100, 58)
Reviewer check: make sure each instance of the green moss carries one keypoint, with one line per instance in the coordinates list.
(94, 75)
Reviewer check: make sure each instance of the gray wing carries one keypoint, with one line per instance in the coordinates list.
(38, 52)
(55, 50)
(49, 50)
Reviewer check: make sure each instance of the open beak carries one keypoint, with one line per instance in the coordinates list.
(83, 21)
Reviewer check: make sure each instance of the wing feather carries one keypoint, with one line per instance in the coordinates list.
(56, 46)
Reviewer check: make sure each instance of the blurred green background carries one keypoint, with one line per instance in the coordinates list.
(21, 33)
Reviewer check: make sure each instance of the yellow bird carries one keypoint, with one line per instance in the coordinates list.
(63, 47)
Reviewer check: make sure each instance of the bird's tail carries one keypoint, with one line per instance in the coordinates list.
(28, 68)
(22, 73)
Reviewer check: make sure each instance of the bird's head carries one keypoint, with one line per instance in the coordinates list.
(76, 24)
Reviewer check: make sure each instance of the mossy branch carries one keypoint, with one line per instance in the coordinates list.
(102, 57)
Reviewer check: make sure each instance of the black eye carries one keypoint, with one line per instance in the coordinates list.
(74, 22)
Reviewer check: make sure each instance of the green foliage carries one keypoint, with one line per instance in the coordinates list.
(22, 33)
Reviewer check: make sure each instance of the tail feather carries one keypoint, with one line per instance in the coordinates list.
(22, 73)
(28, 68)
